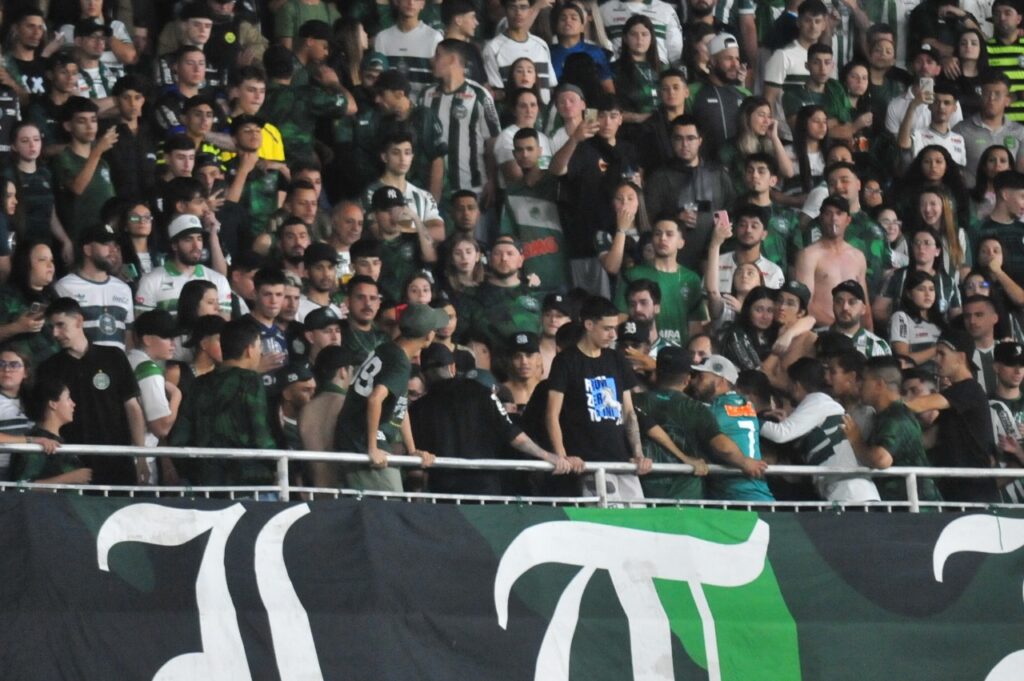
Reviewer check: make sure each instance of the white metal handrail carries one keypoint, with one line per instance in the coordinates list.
(284, 457)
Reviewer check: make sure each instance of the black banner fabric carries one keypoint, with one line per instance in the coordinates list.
(365, 590)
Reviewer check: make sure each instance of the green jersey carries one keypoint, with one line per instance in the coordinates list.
(898, 431)
(362, 343)
(682, 299)
(38, 346)
(738, 421)
(400, 257)
(295, 110)
(691, 425)
(388, 366)
(82, 211)
(781, 223)
(369, 128)
(497, 312)
(530, 214)
(259, 197)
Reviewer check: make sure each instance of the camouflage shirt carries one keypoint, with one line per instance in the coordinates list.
(295, 110)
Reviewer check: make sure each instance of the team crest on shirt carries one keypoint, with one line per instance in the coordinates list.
(107, 324)
(101, 381)
(1011, 143)
(459, 110)
(529, 303)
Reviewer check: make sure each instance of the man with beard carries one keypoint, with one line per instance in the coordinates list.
(830, 259)
(643, 304)
(292, 240)
(748, 235)
(725, 16)
(320, 261)
(360, 336)
(503, 304)
(849, 306)
(106, 301)
(26, 69)
(161, 287)
(688, 189)
(716, 103)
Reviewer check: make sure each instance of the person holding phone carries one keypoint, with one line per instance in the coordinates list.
(23, 301)
(925, 64)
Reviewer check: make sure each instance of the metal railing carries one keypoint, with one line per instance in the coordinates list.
(283, 490)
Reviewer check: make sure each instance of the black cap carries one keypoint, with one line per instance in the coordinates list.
(507, 240)
(206, 326)
(1009, 353)
(156, 323)
(89, 26)
(386, 198)
(199, 100)
(293, 373)
(196, 10)
(524, 341)
(203, 160)
(332, 358)
(101, 234)
(556, 301)
(923, 48)
(436, 355)
(851, 286)
(632, 331)
(674, 361)
(315, 29)
(321, 318)
(318, 251)
(797, 288)
(245, 119)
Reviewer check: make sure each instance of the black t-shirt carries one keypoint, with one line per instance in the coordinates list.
(965, 441)
(592, 411)
(462, 418)
(100, 383)
(586, 203)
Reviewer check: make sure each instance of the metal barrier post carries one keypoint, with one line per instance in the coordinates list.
(915, 502)
(282, 479)
(601, 483)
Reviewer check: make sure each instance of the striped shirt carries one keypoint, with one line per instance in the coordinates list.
(1009, 59)
(12, 422)
(667, 30)
(410, 52)
(161, 288)
(469, 118)
(420, 201)
(106, 307)
(501, 52)
(867, 343)
(787, 68)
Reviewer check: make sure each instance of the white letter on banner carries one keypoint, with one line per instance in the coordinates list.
(223, 657)
(289, 624)
(983, 534)
(633, 559)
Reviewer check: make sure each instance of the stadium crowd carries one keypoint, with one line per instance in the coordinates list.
(739, 232)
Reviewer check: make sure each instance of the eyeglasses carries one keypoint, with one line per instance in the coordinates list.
(13, 366)
(136, 219)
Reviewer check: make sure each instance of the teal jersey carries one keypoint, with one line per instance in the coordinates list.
(738, 421)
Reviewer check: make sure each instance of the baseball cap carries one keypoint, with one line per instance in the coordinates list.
(797, 288)
(569, 87)
(418, 320)
(318, 251)
(89, 26)
(204, 327)
(385, 198)
(717, 365)
(183, 225)
(436, 355)
(506, 240)
(294, 373)
(332, 358)
(321, 318)
(851, 286)
(1009, 353)
(204, 160)
(631, 331)
(923, 48)
(722, 42)
(1015, 4)
(156, 323)
(556, 301)
(315, 29)
(673, 360)
(524, 341)
(374, 61)
(100, 233)
(196, 10)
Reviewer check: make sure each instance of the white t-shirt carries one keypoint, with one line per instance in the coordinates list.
(772, 273)
(922, 115)
(161, 288)
(503, 150)
(501, 52)
(152, 392)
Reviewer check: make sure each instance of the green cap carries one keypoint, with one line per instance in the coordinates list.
(418, 320)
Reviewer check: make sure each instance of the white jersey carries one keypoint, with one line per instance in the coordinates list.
(772, 273)
(306, 306)
(420, 201)
(469, 118)
(410, 52)
(12, 422)
(503, 150)
(161, 288)
(106, 307)
(501, 52)
(667, 30)
(152, 391)
(952, 142)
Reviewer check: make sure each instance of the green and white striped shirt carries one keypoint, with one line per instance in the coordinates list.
(469, 118)
(410, 52)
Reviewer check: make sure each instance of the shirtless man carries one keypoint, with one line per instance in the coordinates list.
(825, 263)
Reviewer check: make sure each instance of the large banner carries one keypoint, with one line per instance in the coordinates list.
(104, 589)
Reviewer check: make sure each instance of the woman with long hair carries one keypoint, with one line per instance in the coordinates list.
(353, 42)
(916, 326)
(637, 68)
(971, 59)
(138, 242)
(198, 298)
(855, 126)
(521, 74)
(620, 249)
(24, 299)
(756, 131)
(723, 307)
(925, 256)
(994, 160)
(464, 267)
(696, 56)
(807, 153)
(886, 217)
(748, 341)
(15, 374)
(1008, 294)
(935, 210)
(934, 165)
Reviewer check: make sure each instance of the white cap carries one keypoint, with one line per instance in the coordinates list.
(722, 42)
(182, 225)
(719, 366)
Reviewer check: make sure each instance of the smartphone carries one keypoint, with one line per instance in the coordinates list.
(36, 310)
(590, 115)
(721, 217)
(927, 85)
(218, 186)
